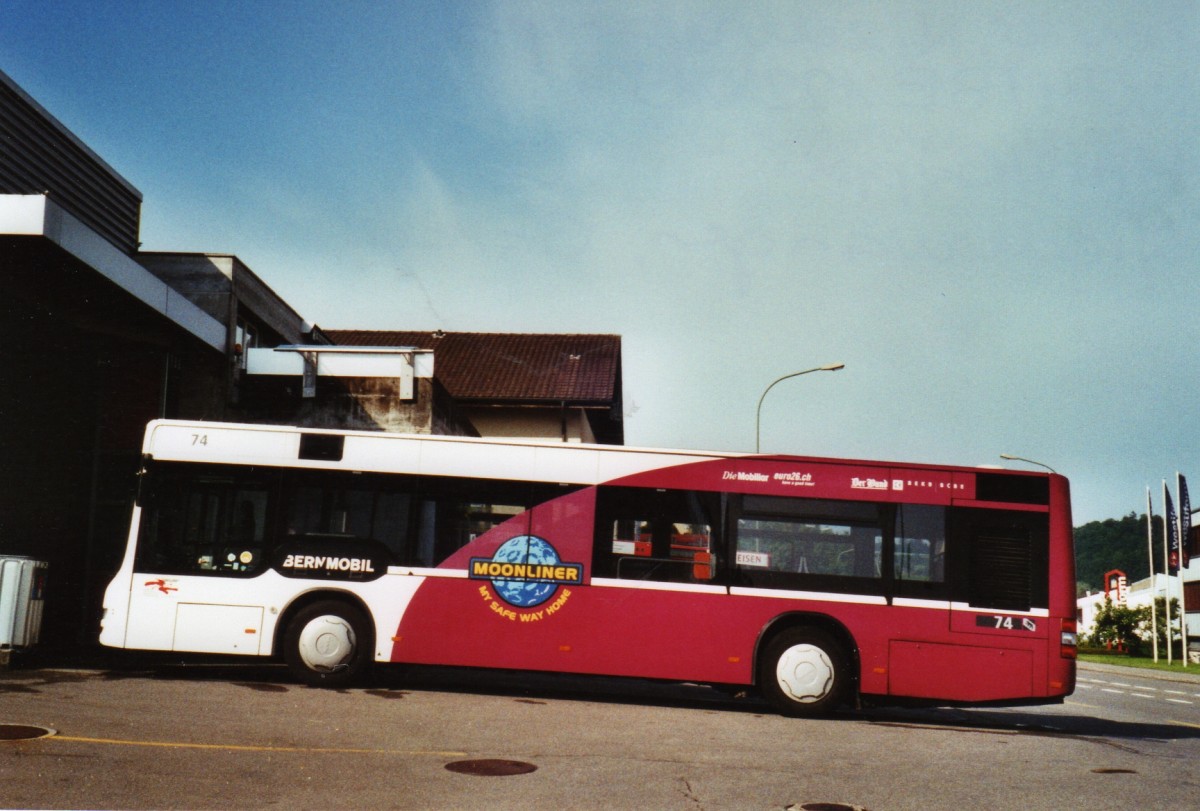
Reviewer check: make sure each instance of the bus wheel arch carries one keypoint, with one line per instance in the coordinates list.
(327, 639)
(806, 665)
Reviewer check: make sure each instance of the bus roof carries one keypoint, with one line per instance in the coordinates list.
(518, 459)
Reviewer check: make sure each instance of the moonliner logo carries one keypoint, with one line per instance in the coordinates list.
(526, 571)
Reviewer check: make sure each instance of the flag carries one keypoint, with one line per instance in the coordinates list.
(1172, 534)
(1185, 521)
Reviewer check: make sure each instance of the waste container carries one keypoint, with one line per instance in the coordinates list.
(22, 598)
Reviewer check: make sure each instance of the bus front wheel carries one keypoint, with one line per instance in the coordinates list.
(328, 644)
(803, 672)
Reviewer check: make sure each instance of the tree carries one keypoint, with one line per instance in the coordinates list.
(1161, 624)
(1115, 543)
(1121, 627)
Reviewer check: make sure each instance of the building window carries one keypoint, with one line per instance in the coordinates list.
(245, 337)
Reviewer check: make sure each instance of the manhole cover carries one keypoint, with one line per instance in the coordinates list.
(491, 768)
(21, 732)
(825, 807)
(1113, 771)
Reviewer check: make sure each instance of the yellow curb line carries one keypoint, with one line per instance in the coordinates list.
(245, 748)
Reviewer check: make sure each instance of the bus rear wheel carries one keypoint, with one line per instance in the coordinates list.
(328, 644)
(803, 673)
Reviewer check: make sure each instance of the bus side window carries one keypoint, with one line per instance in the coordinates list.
(919, 562)
(453, 512)
(196, 522)
(796, 543)
(648, 534)
(339, 506)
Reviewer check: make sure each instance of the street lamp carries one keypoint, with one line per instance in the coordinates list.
(1012, 458)
(829, 367)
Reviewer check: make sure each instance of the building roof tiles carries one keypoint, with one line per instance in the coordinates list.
(485, 366)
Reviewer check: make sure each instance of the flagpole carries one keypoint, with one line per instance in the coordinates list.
(1184, 507)
(1150, 554)
(1166, 568)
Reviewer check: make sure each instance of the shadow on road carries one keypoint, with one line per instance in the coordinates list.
(394, 682)
(1030, 722)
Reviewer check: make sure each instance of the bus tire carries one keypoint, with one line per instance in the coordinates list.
(803, 673)
(328, 644)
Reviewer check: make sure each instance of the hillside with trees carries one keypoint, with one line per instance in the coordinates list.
(1115, 543)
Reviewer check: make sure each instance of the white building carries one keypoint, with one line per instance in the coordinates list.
(1138, 595)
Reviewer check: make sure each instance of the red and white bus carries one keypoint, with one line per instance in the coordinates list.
(817, 581)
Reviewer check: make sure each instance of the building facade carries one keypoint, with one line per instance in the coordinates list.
(1142, 594)
(560, 388)
(94, 346)
(99, 338)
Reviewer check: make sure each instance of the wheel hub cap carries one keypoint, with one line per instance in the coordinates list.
(805, 673)
(326, 643)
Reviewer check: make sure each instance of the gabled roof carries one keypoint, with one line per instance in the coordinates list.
(508, 367)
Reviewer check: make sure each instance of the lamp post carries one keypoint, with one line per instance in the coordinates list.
(1012, 458)
(829, 367)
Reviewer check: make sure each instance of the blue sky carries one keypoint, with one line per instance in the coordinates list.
(988, 211)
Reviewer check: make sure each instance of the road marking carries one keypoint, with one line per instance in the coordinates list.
(1164, 693)
(246, 748)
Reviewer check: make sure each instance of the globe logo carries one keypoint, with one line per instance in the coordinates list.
(526, 571)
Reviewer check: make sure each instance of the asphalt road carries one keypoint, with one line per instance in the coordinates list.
(151, 734)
